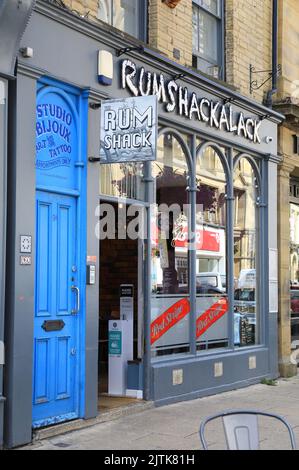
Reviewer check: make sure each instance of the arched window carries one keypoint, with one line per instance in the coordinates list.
(211, 252)
(246, 244)
(170, 252)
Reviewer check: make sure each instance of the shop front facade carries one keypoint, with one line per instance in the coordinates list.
(204, 276)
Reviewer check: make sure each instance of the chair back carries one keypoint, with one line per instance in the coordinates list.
(241, 432)
(241, 428)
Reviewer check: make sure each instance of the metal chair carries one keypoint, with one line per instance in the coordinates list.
(242, 430)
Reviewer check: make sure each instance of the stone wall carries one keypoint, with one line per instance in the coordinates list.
(288, 50)
(248, 41)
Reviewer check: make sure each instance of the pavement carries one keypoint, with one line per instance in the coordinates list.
(175, 427)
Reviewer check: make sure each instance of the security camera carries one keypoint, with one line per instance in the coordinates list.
(269, 139)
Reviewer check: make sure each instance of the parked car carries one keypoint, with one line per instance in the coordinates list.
(294, 294)
(209, 290)
(211, 280)
(295, 302)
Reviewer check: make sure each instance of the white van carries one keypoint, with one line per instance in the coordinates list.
(215, 280)
(247, 279)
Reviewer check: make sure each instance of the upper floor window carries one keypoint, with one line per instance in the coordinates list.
(208, 36)
(127, 15)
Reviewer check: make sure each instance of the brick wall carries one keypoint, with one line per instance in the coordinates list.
(170, 30)
(288, 50)
(248, 41)
(248, 35)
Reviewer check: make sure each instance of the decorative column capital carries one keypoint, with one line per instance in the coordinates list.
(286, 167)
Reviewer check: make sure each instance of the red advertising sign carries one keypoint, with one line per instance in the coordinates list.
(211, 316)
(179, 310)
(169, 318)
(206, 240)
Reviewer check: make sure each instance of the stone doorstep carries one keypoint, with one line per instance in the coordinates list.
(78, 424)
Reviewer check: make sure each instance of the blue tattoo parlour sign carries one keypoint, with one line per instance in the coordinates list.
(54, 127)
(129, 130)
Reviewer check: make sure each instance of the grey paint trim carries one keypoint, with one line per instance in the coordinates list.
(211, 136)
(14, 17)
(212, 391)
(108, 36)
(3, 215)
(20, 279)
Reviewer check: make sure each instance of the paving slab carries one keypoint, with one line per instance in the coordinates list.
(175, 427)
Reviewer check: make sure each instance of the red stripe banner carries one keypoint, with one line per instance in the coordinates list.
(169, 318)
(211, 316)
(179, 310)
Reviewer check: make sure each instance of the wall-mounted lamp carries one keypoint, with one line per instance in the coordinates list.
(178, 76)
(228, 100)
(171, 3)
(125, 50)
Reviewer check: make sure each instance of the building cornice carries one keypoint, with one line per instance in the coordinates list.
(35, 73)
(28, 71)
(291, 112)
(115, 39)
(277, 159)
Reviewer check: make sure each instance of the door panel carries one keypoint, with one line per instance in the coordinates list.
(43, 274)
(56, 366)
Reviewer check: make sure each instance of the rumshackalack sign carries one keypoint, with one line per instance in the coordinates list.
(129, 130)
(178, 99)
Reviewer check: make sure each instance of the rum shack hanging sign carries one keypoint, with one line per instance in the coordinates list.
(129, 130)
(178, 99)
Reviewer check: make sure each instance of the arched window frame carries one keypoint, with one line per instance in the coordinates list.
(224, 158)
(262, 273)
(229, 162)
(189, 179)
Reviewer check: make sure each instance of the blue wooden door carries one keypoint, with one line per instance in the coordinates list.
(57, 311)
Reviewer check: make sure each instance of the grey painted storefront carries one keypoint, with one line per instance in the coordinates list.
(65, 48)
(14, 16)
(3, 143)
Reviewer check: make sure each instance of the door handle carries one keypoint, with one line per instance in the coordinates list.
(77, 309)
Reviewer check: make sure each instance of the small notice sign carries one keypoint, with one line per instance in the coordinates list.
(115, 343)
(129, 130)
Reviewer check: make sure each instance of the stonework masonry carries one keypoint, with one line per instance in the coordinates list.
(248, 41)
(170, 30)
(287, 97)
(248, 35)
(288, 32)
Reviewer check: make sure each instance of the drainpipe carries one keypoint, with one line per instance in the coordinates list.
(269, 99)
(14, 17)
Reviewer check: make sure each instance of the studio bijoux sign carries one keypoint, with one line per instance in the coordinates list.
(178, 99)
(129, 130)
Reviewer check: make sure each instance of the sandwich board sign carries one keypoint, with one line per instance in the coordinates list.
(129, 130)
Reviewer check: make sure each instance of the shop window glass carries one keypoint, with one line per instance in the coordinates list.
(122, 180)
(211, 260)
(170, 255)
(122, 14)
(208, 37)
(294, 274)
(246, 230)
